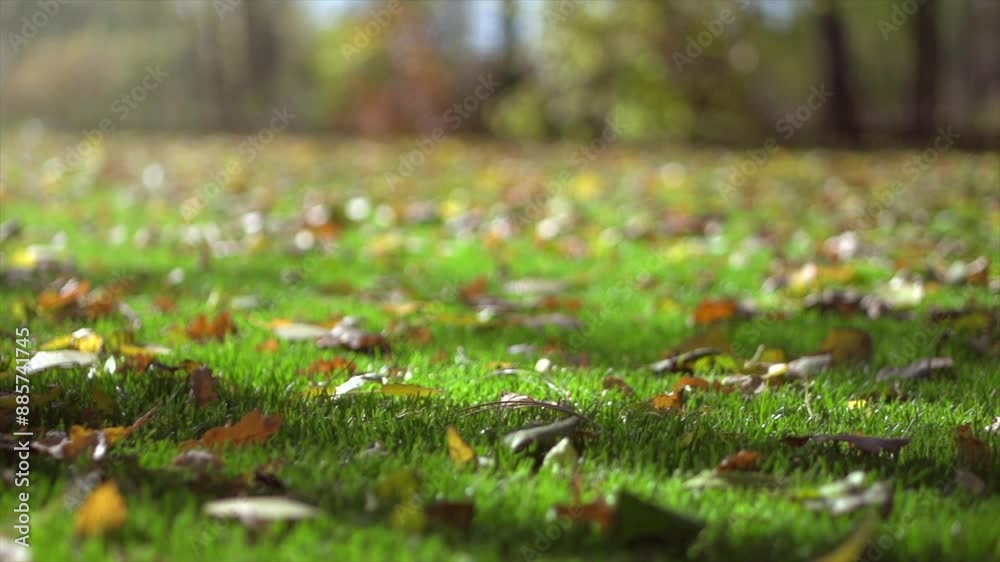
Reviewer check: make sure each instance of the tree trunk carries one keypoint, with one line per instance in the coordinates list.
(925, 80)
(843, 107)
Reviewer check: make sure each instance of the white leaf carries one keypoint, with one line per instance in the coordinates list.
(255, 510)
(294, 332)
(63, 358)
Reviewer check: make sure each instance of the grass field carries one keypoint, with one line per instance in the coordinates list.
(633, 241)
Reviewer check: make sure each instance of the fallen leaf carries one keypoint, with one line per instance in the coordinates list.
(270, 345)
(254, 428)
(43, 360)
(613, 382)
(972, 451)
(669, 401)
(599, 512)
(521, 438)
(102, 512)
(199, 460)
(254, 511)
(202, 329)
(638, 521)
(847, 495)
(293, 331)
(457, 515)
(847, 345)
(399, 389)
(854, 546)
(83, 339)
(348, 334)
(712, 310)
(683, 361)
(203, 387)
(995, 426)
(562, 456)
(872, 445)
(69, 293)
(848, 303)
(459, 450)
(328, 366)
(918, 369)
(743, 460)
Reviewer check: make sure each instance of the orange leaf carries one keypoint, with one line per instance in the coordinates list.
(202, 329)
(711, 310)
(252, 429)
(598, 511)
(669, 401)
(270, 346)
(742, 460)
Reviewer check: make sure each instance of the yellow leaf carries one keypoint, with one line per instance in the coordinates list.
(851, 549)
(103, 511)
(62, 342)
(395, 389)
(459, 450)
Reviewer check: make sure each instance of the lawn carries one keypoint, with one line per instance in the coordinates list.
(543, 281)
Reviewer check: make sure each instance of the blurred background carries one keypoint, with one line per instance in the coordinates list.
(674, 70)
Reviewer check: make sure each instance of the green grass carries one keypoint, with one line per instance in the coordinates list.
(791, 206)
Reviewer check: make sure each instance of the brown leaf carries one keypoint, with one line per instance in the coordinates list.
(203, 387)
(613, 382)
(328, 366)
(69, 293)
(202, 329)
(349, 335)
(254, 428)
(710, 311)
(597, 511)
(102, 512)
(683, 361)
(458, 515)
(669, 401)
(847, 345)
(743, 460)
(972, 451)
(871, 445)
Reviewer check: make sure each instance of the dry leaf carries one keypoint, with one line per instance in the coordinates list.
(459, 450)
(712, 310)
(254, 428)
(972, 451)
(847, 345)
(918, 369)
(335, 365)
(669, 401)
(613, 382)
(743, 460)
(599, 512)
(102, 512)
(203, 387)
(398, 389)
(872, 445)
(348, 335)
(457, 515)
(202, 329)
(270, 345)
